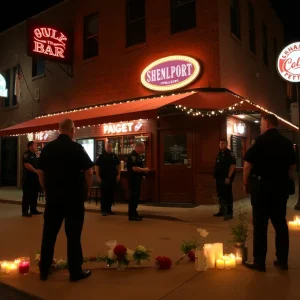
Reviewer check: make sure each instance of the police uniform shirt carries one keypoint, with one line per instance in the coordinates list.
(134, 160)
(224, 160)
(63, 162)
(32, 159)
(271, 156)
(109, 165)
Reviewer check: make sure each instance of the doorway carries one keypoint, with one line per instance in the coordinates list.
(176, 167)
(9, 161)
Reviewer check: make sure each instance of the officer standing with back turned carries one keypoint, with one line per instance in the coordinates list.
(136, 173)
(224, 175)
(271, 161)
(31, 185)
(108, 170)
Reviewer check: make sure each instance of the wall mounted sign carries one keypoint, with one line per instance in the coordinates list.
(170, 73)
(3, 89)
(41, 136)
(240, 128)
(49, 42)
(288, 63)
(123, 127)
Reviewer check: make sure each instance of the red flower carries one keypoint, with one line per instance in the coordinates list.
(163, 262)
(120, 251)
(191, 255)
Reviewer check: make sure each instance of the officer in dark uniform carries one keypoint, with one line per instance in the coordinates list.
(108, 171)
(31, 185)
(224, 175)
(271, 162)
(136, 173)
(66, 175)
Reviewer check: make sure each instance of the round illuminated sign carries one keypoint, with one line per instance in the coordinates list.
(170, 73)
(3, 89)
(288, 63)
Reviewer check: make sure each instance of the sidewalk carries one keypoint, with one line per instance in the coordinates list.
(188, 214)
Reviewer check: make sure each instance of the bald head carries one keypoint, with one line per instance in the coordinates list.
(67, 127)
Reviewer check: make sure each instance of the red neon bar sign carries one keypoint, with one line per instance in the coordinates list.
(49, 42)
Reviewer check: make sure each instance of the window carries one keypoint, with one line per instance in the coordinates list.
(136, 22)
(265, 44)
(252, 36)
(175, 149)
(183, 15)
(6, 101)
(38, 66)
(14, 97)
(235, 18)
(91, 36)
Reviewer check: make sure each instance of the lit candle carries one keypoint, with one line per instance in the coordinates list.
(210, 254)
(293, 224)
(233, 260)
(12, 268)
(220, 263)
(24, 267)
(218, 249)
(3, 266)
(238, 260)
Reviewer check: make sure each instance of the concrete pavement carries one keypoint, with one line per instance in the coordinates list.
(21, 237)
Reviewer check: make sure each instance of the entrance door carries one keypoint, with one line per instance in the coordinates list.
(9, 161)
(176, 167)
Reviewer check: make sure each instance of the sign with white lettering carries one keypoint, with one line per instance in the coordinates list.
(123, 127)
(170, 73)
(49, 42)
(288, 63)
(3, 89)
(41, 136)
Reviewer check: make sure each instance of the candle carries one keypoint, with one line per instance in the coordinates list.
(293, 225)
(218, 249)
(24, 265)
(11, 268)
(211, 257)
(233, 260)
(238, 260)
(220, 264)
(3, 267)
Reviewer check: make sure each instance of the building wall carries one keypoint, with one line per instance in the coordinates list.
(243, 72)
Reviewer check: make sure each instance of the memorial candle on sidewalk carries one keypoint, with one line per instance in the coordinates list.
(11, 268)
(218, 249)
(211, 257)
(24, 265)
(220, 264)
(238, 259)
(3, 266)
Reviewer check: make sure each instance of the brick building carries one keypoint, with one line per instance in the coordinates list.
(235, 42)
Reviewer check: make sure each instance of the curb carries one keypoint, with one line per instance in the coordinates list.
(145, 215)
(20, 292)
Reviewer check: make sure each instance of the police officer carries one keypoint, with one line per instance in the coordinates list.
(224, 175)
(108, 172)
(66, 174)
(271, 162)
(31, 185)
(136, 173)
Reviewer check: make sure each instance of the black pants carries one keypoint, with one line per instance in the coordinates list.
(135, 193)
(73, 214)
(275, 210)
(107, 194)
(31, 189)
(225, 197)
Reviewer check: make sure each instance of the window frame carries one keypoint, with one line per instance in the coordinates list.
(34, 65)
(86, 38)
(252, 31)
(236, 11)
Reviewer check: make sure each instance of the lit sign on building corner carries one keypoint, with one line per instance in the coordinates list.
(3, 89)
(170, 73)
(124, 127)
(41, 136)
(288, 63)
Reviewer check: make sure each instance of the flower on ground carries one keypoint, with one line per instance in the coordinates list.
(191, 255)
(163, 262)
(141, 248)
(111, 255)
(202, 232)
(120, 251)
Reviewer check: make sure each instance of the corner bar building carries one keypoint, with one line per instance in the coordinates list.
(179, 88)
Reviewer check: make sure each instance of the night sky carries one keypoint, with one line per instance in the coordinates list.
(286, 9)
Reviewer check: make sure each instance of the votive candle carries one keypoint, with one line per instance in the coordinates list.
(220, 263)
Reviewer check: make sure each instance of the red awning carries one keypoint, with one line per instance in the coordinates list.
(92, 116)
(139, 109)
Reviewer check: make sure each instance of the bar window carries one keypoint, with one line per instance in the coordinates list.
(38, 66)
(91, 36)
(265, 44)
(235, 18)
(252, 35)
(135, 22)
(183, 15)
